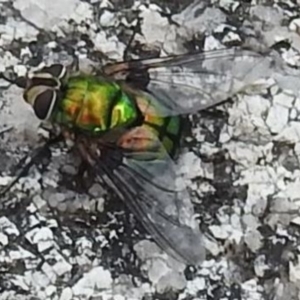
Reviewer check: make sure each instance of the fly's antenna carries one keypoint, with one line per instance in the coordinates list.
(18, 81)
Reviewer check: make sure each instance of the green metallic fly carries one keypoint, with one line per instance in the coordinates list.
(125, 121)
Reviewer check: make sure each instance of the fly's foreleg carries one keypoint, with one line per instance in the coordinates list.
(135, 29)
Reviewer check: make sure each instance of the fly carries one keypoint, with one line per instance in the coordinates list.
(126, 120)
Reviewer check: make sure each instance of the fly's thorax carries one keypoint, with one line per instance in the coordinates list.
(95, 105)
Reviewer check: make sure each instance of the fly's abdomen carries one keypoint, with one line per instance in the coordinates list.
(95, 105)
(155, 135)
(168, 131)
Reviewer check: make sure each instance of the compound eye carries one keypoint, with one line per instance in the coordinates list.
(40, 79)
(44, 104)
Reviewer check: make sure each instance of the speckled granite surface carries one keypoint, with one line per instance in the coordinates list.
(241, 162)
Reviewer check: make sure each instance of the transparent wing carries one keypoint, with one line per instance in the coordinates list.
(189, 83)
(157, 198)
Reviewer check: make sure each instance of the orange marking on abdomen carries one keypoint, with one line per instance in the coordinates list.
(138, 139)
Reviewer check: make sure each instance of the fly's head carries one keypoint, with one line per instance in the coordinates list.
(44, 89)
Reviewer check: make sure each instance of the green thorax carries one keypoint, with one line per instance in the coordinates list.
(95, 105)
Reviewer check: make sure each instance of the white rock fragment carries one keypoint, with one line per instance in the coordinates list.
(21, 254)
(252, 290)
(216, 270)
(226, 134)
(229, 5)
(193, 287)
(48, 16)
(260, 266)
(7, 59)
(8, 227)
(201, 189)
(291, 133)
(277, 118)
(37, 279)
(20, 70)
(253, 239)
(250, 221)
(269, 14)
(5, 180)
(284, 99)
(192, 167)
(231, 37)
(66, 294)
(274, 90)
(15, 29)
(157, 31)
(207, 21)
(164, 272)
(31, 208)
(51, 223)
(4, 259)
(294, 271)
(83, 12)
(219, 232)
(103, 3)
(282, 232)
(290, 191)
(146, 250)
(246, 118)
(20, 282)
(96, 279)
(107, 19)
(291, 57)
(50, 291)
(295, 25)
(3, 239)
(31, 184)
(49, 271)
(243, 153)
(169, 281)
(293, 113)
(124, 288)
(296, 221)
(43, 237)
(211, 43)
(111, 46)
(212, 246)
(60, 265)
(83, 245)
(262, 181)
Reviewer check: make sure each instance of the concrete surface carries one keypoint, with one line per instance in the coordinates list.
(241, 161)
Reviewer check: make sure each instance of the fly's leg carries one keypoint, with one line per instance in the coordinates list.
(75, 63)
(135, 30)
(83, 179)
(85, 175)
(32, 159)
(4, 130)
